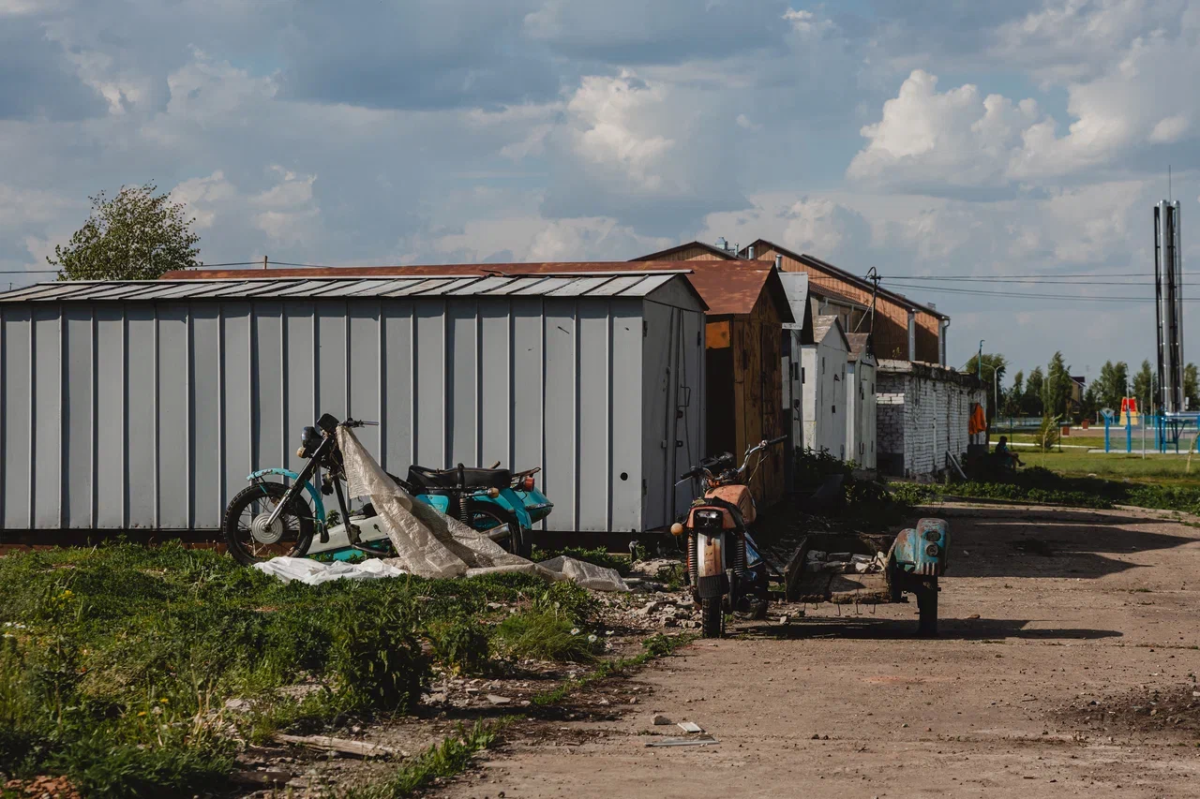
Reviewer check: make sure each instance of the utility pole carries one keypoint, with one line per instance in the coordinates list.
(979, 362)
(264, 262)
(873, 276)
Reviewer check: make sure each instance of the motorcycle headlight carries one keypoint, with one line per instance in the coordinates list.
(932, 550)
(310, 439)
(932, 535)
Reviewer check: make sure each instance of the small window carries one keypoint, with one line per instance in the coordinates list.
(834, 409)
(803, 378)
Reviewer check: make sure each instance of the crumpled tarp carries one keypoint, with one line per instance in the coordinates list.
(431, 544)
(312, 572)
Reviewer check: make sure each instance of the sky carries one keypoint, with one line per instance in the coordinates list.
(936, 138)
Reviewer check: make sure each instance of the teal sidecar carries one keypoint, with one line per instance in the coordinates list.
(866, 568)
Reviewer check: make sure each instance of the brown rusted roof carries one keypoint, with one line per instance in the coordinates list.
(841, 274)
(715, 252)
(727, 287)
(860, 344)
(823, 325)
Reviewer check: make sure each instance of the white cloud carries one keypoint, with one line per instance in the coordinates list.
(953, 138)
(21, 7)
(535, 239)
(610, 128)
(1170, 130)
(204, 197)
(286, 211)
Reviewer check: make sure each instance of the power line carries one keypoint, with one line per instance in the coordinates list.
(1034, 282)
(974, 277)
(1037, 296)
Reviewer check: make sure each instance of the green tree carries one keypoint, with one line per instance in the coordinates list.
(994, 366)
(137, 235)
(1191, 387)
(1012, 397)
(1143, 387)
(1091, 403)
(1032, 403)
(1112, 385)
(1057, 388)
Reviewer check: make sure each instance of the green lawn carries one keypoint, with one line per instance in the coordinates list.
(1154, 468)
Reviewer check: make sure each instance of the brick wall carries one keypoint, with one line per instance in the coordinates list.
(922, 414)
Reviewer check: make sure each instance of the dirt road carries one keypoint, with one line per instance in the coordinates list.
(1058, 628)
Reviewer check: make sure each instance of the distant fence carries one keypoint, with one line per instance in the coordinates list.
(1162, 433)
(1010, 424)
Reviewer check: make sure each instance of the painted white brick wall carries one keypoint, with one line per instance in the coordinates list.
(920, 419)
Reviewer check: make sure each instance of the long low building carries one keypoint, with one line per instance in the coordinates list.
(145, 404)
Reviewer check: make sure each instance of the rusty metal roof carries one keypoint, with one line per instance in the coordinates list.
(726, 287)
(258, 286)
(843, 275)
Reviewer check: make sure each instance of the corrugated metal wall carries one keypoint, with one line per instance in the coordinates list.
(124, 415)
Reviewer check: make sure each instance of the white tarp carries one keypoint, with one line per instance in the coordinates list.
(429, 543)
(312, 572)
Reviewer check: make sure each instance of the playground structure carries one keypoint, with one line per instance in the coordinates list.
(1166, 431)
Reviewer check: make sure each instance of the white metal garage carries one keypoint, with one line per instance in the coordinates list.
(146, 404)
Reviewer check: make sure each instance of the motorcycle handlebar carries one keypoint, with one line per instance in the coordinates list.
(778, 440)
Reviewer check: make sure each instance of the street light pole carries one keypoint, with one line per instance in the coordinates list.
(979, 361)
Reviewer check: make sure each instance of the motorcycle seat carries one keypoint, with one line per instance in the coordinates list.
(449, 478)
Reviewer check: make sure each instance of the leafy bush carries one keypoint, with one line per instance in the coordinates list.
(460, 644)
(1049, 432)
(565, 600)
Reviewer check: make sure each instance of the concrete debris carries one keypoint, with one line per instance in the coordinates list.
(690, 727)
(498, 700)
(706, 740)
(660, 720)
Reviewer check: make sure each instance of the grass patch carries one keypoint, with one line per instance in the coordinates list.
(542, 635)
(441, 761)
(1041, 485)
(598, 556)
(1153, 468)
(116, 662)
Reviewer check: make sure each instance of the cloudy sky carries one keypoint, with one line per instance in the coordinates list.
(921, 137)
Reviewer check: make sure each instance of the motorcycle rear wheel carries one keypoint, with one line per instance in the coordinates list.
(712, 617)
(296, 524)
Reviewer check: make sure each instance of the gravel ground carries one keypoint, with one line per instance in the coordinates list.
(1066, 666)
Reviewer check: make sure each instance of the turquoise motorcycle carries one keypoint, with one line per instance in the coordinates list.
(269, 518)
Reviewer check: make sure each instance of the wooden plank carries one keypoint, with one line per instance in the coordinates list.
(342, 745)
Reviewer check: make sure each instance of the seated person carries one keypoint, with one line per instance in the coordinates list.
(1007, 457)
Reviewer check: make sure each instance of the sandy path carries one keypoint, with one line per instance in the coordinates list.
(1072, 606)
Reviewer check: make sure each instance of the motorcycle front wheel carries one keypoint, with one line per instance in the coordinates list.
(247, 536)
(487, 517)
(712, 617)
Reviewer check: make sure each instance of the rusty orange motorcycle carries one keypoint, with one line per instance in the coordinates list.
(724, 569)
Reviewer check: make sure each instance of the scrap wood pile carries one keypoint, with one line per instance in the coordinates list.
(844, 562)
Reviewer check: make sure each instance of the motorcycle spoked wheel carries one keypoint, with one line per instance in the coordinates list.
(484, 516)
(712, 617)
(292, 533)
